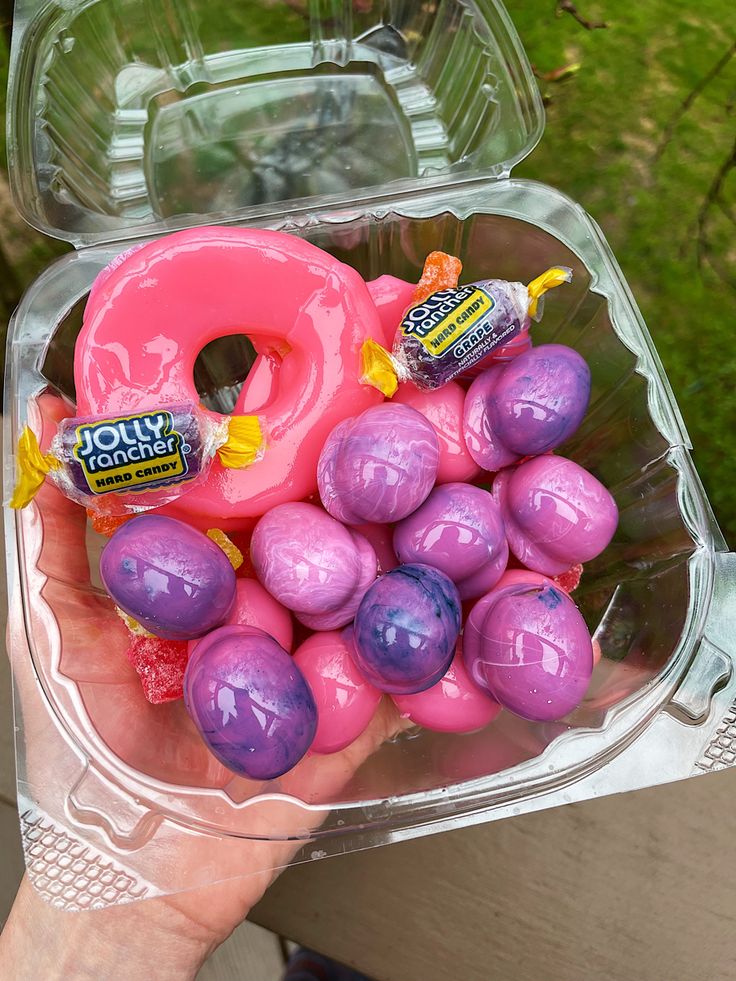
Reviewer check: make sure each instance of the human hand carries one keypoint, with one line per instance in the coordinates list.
(78, 654)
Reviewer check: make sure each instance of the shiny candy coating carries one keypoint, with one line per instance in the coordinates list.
(505, 352)
(406, 628)
(556, 513)
(308, 561)
(458, 530)
(345, 701)
(138, 346)
(168, 576)
(391, 297)
(528, 646)
(444, 409)
(379, 466)
(250, 702)
(344, 613)
(255, 607)
(454, 704)
(381, 538)
(526, 407)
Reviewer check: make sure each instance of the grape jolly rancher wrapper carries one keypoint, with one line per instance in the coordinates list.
(453, 329)
(144, 459)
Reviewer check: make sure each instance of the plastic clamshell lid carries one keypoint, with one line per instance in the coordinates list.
(130, 117)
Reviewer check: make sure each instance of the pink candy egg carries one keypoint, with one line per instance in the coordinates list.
(345, 701)
(311, 563)
(556, 513)
(344, 613)
(528, 646)
(444, 408)
(381, 538)
(459, 530)
(379, 466)
(454, 704)
(255, 607)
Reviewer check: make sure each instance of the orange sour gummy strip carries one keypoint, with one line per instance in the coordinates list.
(441, 272)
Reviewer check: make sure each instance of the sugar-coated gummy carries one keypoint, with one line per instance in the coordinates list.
(250, 702)
(345, 701)
(556, 513)
(168, 576)
(160, 665)
(308, 561)
(526, 407)
(378, 466)
(406, 628)
(458, 530)
(527, 644)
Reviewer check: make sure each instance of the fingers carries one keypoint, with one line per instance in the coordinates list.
(54, 528)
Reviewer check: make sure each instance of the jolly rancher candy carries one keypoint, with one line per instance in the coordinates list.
(452, 329)
(143, 460)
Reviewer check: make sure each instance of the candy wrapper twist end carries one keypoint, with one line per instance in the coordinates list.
(553, 277)
(244, 443)
(378, 368)
(33, 467)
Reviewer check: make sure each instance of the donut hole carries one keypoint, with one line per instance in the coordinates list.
(58, 362)
(221, 369)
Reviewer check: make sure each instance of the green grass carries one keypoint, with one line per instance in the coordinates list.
(603, 147)
(605, 126)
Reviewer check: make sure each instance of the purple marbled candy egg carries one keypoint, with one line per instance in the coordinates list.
(309, 562)
(168, 576)
(406, 628)
(344, 613)
(528, 646)
(250, 702)
(458, 530)
(526, 407)
(556, 513)
(379, 466)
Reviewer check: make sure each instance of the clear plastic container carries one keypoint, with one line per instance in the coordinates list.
(379, 131)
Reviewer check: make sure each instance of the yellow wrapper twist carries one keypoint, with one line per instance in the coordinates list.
(244, 442)
(555, 276)
(32, 466)
(377, 368)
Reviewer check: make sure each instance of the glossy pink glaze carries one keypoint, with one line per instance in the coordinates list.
(391, 296)
(454, 704)
(345, 701)
(148, 319)
(255, 607)
(444, 409)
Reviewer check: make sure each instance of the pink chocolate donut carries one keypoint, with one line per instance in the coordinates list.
(147, 320)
